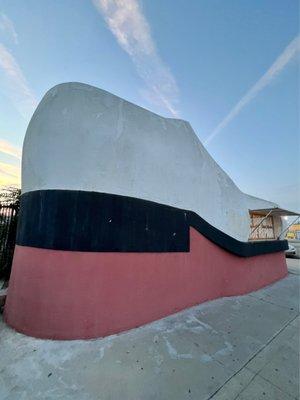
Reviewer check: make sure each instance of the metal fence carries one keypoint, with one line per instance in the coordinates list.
(8, 229)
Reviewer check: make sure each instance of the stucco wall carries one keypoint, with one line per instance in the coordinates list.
(78, 295)
(83, 138)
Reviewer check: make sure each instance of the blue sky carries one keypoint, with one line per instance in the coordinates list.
(231, 68)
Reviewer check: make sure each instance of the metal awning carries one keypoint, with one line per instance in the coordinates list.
(280, 212)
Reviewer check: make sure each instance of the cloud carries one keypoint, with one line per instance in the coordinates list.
(289, 53)
(10, 175)
(7, 26)
(16, 86)
(8, 148)
(10, 170)
(8, 181)
(126, 21)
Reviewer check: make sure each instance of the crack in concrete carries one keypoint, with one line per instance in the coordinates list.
(251, 358)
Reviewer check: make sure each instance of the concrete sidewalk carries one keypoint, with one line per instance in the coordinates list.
(243, 348)
(293, 265)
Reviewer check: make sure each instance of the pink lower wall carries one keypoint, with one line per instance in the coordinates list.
(80, 295)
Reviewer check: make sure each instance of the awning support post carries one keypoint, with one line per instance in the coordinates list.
(257, 226)
(292, 223)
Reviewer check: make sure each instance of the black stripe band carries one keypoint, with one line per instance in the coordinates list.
(91, 221)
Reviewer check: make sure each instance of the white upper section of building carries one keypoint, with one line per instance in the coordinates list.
(83, 138)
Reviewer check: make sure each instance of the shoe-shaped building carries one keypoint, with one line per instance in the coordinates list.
(125, 218)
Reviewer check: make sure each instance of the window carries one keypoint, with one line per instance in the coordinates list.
(265, 229)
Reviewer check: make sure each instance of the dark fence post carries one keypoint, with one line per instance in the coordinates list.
(8, 229)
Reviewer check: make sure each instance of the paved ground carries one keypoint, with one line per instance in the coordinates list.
(293, 265)
(244, 348)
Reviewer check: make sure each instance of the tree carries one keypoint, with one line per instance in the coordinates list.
(10, 195)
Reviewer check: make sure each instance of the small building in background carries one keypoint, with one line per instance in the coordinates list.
(294, 232)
